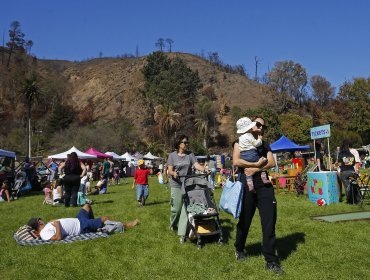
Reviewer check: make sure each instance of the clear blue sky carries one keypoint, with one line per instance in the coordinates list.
(330, 38)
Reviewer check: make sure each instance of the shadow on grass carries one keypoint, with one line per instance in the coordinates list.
(103, 201)
(285, 246)
(227, 228)
(156, 202)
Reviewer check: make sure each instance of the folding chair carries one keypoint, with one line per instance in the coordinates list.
(364, 188)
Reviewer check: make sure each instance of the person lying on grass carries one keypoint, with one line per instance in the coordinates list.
(83, 223)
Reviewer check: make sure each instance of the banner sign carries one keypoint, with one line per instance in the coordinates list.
(320, 132)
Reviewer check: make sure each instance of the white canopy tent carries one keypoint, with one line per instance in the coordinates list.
(151, 157)
(115, 156)
(127, 157)
(80, 154)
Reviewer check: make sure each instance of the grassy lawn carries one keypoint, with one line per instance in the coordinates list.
(308, 249)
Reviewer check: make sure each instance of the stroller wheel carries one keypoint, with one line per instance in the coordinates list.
(199, 244)
(220, 241)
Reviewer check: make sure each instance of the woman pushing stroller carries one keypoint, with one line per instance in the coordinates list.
(180, 163)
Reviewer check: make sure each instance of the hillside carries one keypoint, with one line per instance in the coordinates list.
(110, 89)
(112, 86)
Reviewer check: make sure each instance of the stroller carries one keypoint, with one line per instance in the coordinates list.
(21, 185)
(201, 208)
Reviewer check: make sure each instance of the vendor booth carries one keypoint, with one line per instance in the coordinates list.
(322, 184)
(115, 156)
(285, 175)
(80, 154)
(98, 154)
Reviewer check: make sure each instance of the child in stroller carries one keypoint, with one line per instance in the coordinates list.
(201, 208)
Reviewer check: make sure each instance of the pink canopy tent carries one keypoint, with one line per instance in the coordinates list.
(98, 154)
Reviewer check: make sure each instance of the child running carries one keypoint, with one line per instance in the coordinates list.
(248, 147)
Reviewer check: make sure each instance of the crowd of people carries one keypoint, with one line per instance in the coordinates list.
(72, 180)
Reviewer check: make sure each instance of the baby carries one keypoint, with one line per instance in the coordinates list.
(248, 147)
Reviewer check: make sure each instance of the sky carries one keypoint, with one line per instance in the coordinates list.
(330, 38)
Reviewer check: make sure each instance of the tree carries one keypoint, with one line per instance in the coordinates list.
(170, 43)
(167, 120)
(60, 119)
(28, 46)
(256, 62)
(16, 37)
(205, 114)
(170, 82)
(322, 91)
(160, 44)
(30, 92)
(288, 80)
(296, 127)
(355, 97)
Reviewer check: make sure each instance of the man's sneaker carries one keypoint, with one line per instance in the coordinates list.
(274, 267)
(240, 256)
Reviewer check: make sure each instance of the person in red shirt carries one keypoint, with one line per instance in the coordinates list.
(141, 182)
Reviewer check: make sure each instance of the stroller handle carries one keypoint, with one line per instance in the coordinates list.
(192, 175)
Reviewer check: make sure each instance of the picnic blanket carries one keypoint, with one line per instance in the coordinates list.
(68, 239)
(344, 217)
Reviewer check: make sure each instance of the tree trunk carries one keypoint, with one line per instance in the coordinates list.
(29, 132)
(205, 136)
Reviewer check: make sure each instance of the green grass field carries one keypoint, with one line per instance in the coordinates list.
(308, 249)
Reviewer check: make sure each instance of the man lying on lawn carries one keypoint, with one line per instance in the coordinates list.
(83, 223)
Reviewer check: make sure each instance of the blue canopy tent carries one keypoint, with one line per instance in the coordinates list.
(286, 145)
(5, 153)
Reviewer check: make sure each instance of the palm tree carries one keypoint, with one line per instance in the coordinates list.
(168, 121)
(30, 92)
(205, 113)
(202, 126)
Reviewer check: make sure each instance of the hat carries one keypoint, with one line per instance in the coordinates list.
(244, 124)
(34, 223)
(140, 162)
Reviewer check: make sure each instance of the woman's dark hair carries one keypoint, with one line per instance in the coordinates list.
(72, 162)
(179, 139)
(59, 182)
(345, 146)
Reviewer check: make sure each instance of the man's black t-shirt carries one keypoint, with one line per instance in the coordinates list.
(347, 161)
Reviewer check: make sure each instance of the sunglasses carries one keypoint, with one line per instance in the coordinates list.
(185, 142)
(259, 125)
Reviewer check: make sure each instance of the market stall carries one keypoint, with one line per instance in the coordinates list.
(322, 184)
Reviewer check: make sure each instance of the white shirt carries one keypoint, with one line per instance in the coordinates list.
(56, 194)
(68, 226)
(248, 142)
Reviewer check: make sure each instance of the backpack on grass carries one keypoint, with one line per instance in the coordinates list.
(112, 227)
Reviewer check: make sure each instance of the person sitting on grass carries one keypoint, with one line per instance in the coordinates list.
(83, 223)
(4, 192)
